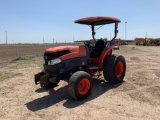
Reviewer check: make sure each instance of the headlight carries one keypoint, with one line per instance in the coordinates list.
(55, 61)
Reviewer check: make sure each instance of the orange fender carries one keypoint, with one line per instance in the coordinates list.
(106, 52)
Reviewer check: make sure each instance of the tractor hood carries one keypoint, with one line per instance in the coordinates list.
(64, 48)
(64, 52)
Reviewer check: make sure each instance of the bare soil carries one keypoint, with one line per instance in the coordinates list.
(137, 98)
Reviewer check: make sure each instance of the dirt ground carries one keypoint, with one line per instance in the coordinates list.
(137, 98)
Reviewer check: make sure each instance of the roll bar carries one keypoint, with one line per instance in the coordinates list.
(115, 33)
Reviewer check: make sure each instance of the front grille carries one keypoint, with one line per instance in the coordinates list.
(50, 56)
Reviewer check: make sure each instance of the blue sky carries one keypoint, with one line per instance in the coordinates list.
(28, 21)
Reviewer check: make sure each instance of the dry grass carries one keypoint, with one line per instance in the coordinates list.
(5, 75)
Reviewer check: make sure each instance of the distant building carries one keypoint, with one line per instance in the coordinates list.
(116, 41)
(124, 42)
(129, 42)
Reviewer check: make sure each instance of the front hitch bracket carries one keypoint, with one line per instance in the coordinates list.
(37, 77)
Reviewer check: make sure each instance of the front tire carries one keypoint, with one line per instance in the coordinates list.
(114, 69)
(80, 85)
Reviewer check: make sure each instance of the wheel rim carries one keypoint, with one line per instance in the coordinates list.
(119, 69)
(84, 86)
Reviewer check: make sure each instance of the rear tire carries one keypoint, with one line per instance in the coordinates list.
(80, 85)
(114, 69)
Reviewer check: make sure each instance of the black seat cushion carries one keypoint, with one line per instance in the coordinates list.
(100, 45)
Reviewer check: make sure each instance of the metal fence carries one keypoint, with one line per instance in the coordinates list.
(8, 52)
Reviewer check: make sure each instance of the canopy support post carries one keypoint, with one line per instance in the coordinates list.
(93, 33)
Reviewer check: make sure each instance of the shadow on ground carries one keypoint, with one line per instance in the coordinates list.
(61, 94)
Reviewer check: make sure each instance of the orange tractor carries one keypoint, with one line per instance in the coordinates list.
(78, 64)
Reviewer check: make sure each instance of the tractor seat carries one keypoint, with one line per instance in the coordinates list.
(100, 45)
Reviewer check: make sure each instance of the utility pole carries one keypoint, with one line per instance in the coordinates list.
(43, 40)
(146, 35)
(73, 38)
(6, 37)
(53, 40)
(125, 30)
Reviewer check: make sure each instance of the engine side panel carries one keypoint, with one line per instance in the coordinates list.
(73, 63)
